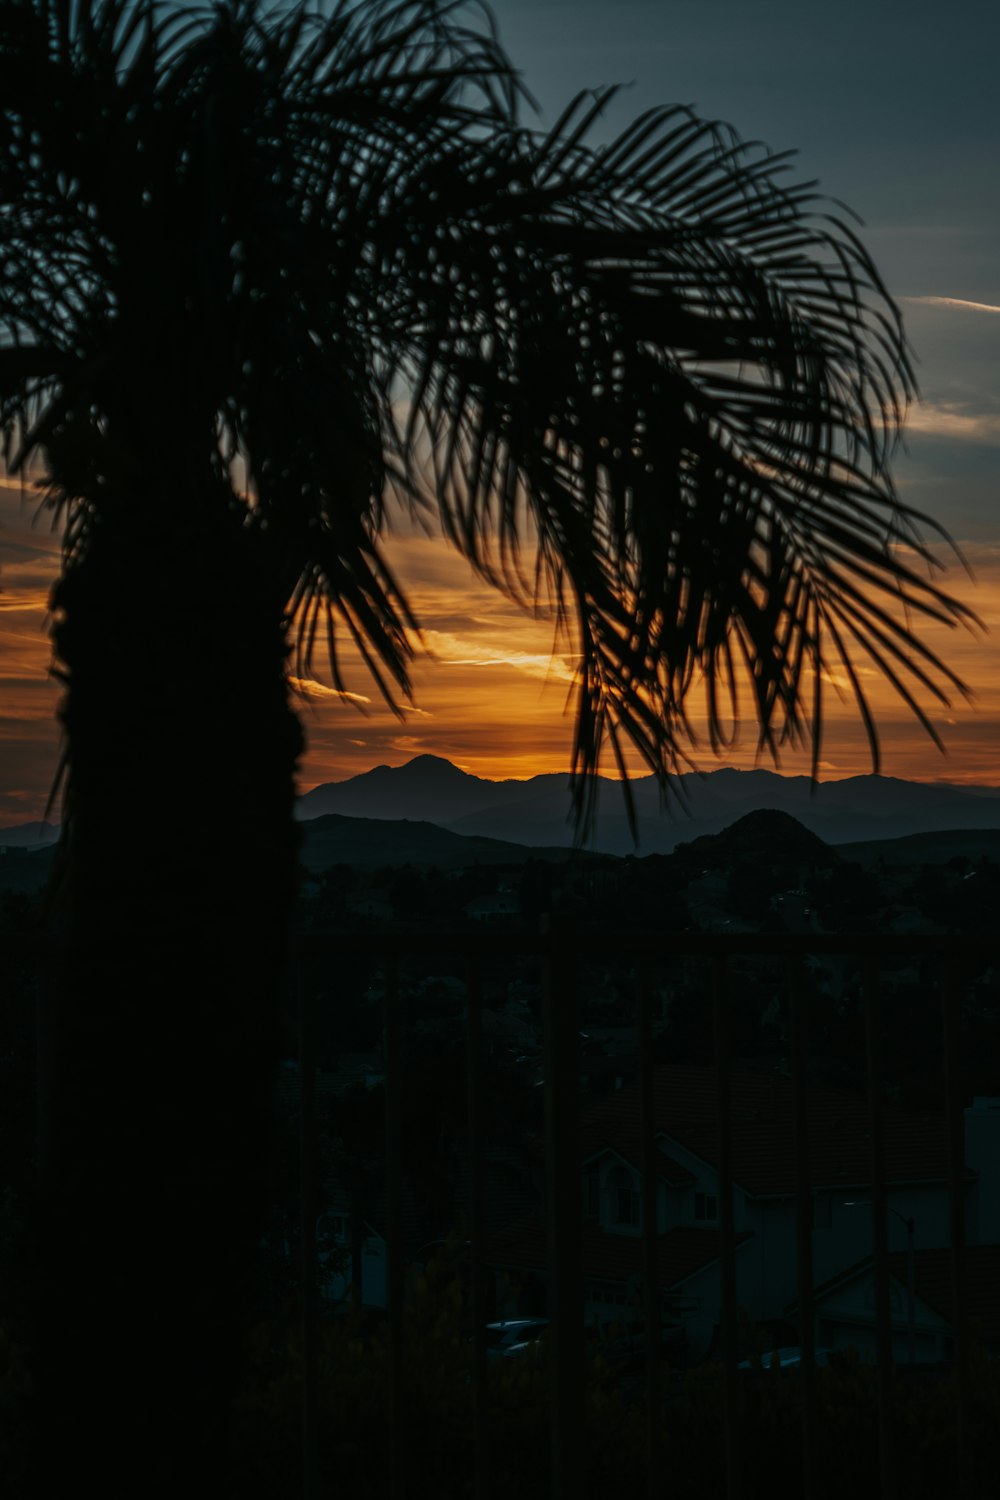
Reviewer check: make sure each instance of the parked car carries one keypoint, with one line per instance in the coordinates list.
(514, 1336)
(783, 1359)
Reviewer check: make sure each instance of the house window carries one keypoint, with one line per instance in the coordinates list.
(628, 1206)
(822, 1204)
(706, 1208)
(624, 1198)
(592, 1195)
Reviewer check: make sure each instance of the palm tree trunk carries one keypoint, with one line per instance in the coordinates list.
(160, 1025)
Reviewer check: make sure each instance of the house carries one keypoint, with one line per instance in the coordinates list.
(845, 1305)
(687, 1274)
(333, 1232)
(490, 908)
(509, 1196)
(687, 1138)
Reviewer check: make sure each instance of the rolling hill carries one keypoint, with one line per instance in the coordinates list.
(536, 812)
(373, 842)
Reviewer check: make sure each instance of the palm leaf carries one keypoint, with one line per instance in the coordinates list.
(651, 385)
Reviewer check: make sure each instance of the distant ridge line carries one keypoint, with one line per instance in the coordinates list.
(535, 812)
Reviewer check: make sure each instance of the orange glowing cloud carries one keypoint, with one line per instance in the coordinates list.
(948, 420)
(488, 692)
(309, 688)
(496, 701)
(960, 303)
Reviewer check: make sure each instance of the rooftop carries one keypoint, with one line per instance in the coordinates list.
(840, 1148)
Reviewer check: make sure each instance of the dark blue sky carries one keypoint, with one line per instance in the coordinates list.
(893, 107)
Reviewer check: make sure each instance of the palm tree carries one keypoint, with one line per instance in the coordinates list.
(264, 275)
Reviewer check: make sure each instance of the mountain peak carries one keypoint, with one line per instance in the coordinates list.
(767, 835)
(428, 787)
(433, 765)
(422, 769)
(433, 789)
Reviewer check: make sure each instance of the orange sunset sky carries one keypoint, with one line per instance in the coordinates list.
(893, 114)
(489, 695)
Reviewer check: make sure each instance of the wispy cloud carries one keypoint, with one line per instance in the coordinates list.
(546, 667)
(26, 602)
(960, 302)
(310, 688)
(465, 651)
(946, 420)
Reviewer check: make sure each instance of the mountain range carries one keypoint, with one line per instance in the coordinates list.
(430, 812)
(535, 812)
(29, 835)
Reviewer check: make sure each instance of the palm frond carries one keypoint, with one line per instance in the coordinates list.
(652, 385)
(684, 382)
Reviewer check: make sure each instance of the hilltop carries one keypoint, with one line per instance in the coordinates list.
(536, 812)
(767, 838)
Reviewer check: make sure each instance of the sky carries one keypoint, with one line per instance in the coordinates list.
(892, 108)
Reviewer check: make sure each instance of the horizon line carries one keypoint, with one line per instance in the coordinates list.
(649, 775)
(939, 781)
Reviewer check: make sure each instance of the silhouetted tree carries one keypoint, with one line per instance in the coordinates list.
(263, 271)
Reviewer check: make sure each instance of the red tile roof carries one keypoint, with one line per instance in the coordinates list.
(934, 1285)
(612, 1257)
(629, 1146)
(915, 1146)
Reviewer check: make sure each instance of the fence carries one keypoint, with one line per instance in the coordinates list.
(560, 952)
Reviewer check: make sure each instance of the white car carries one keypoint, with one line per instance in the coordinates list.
(782, 1359)
(515, 1336)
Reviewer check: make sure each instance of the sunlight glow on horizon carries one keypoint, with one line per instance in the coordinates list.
(490, 695)
(510, 721)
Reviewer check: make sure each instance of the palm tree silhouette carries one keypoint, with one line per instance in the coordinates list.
(266, 274)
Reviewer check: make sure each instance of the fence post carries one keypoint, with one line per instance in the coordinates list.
(803, 1224)
(394, 1225)
(477, 1233)
(880, 1235)
(727, 1229)
(564, 1213)
(309, 1209)
(952, 1017)
(650, 1177)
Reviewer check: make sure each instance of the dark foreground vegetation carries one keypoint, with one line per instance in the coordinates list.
(437, 1436)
